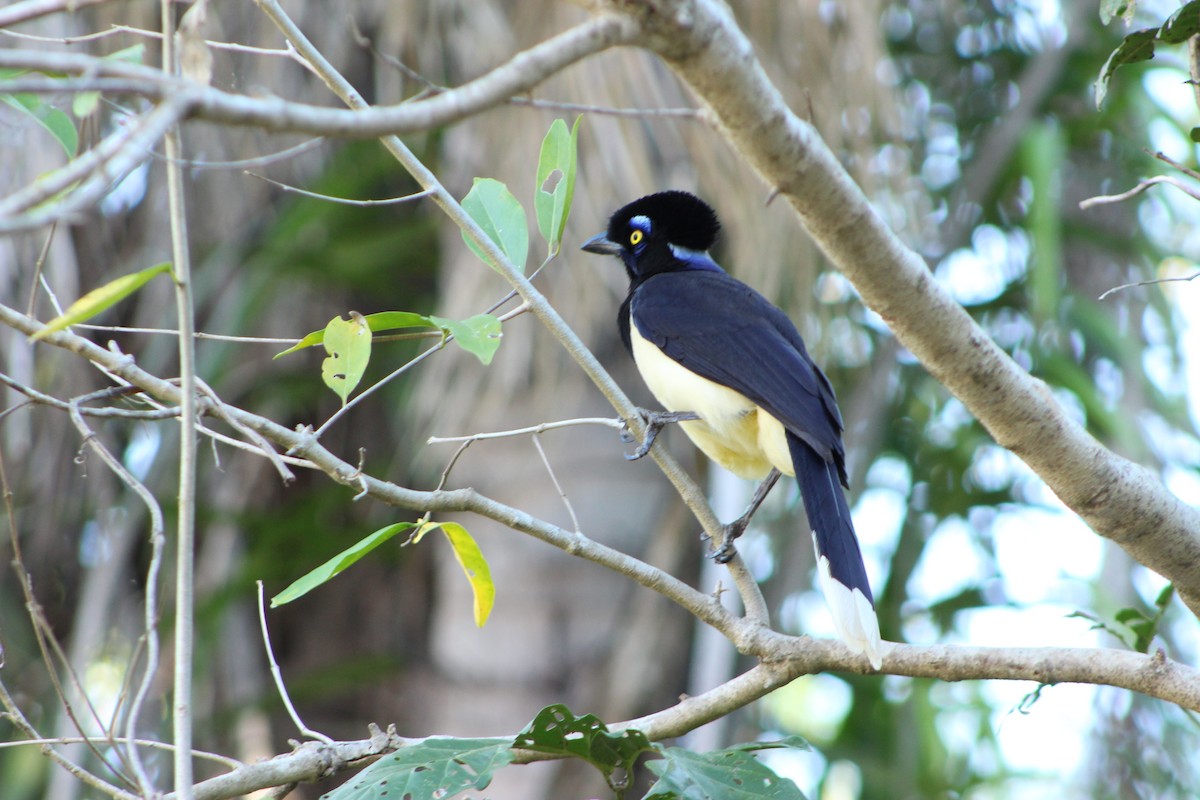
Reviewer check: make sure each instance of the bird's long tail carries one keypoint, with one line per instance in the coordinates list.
(839, 561)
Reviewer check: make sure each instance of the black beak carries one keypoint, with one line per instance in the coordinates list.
(600, 244)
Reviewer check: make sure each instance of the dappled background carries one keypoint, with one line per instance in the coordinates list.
(971, 125)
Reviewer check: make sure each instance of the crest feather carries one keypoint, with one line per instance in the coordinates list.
(683, 219)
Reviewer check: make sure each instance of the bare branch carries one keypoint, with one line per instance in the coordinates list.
(1142, 186)
(408, 198)
(608, 422)
(524, 71)
(33, 9)
(278, 675)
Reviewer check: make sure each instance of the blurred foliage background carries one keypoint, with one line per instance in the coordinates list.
(969, 123)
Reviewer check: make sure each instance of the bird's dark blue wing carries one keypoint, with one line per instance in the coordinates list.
(721, 329)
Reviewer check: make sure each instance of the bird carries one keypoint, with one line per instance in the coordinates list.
(732, 370)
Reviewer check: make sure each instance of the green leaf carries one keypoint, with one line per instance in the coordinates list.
(479, 575)
(732, 774)
(1164, 598)
(58, 123)
(1111, 9)
(1137, 46)
(1182, 25)
(99, 299)
(383, 321)
(557, 731)
(335, 565)
(479, 335)
(502, 219)
(134, 54)
(85, 103)
(430, 770)
(556, 181)
(348, 343)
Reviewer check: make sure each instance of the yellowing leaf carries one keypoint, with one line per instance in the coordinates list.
(471, 559)
(348, 343)
(98, 300)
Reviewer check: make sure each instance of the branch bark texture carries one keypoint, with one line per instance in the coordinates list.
(1116, 497)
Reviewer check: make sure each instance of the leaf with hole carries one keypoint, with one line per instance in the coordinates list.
(556, 181)
(100, 299)
(348, 344)
(557, 731)
(436, 768)
(478, 335)
(732, 774)
(502, 219)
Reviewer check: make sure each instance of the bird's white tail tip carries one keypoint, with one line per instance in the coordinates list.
(853, 616)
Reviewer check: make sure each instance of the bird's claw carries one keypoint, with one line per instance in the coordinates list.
(654, 421)
(726, 551)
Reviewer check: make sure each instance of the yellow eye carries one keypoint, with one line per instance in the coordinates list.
(635, 237)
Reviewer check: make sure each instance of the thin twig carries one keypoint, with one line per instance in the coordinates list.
(33, 9)
(54, 402)
(150, 619)
(557, 486)
(41, 633)
(220, 410)
(608, 422)
(1151, 282)
(408, 198)
(151, 744)
(1141, 187)
(185, 543)
(216, 337)
(277, 674)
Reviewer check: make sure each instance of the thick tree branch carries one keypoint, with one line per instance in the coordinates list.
(523, 72)
(1117, 498)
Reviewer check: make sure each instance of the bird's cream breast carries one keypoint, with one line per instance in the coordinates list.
(728, 430)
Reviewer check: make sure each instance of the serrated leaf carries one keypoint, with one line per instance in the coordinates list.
(348, 343)
(1137, 46)
(56, 122)
(479, 335)
(556, 180)
(557, 731)
(431, 770)
(475, 566)
(502, 219)
(338, 563)
(721, 775)
(101, 298)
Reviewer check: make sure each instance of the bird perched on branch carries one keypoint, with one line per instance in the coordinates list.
(708, 344)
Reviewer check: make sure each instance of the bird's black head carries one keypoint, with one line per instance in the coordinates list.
(660, 233)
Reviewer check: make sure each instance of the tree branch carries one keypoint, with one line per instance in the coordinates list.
(1117, 498)
(520, 74)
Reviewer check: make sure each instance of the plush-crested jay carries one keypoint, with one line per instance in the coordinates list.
(709, 344)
